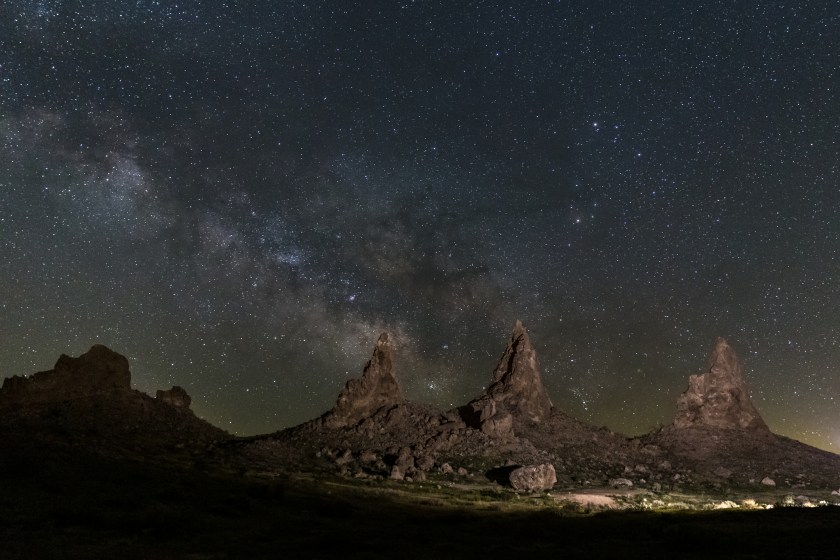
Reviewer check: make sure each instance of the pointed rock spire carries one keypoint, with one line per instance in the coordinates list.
(516, 391)
(718, 397)
(378, 387)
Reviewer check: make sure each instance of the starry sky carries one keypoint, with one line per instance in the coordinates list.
(240, 196)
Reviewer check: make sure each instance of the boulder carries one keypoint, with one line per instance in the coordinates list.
(425, 463)
(405, 459)
(533, 478)
(397, 473)
(719, 397)
(499, 425)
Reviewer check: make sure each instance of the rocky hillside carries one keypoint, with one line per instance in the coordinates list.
(718, 439)
(87, 403)
(376, 433)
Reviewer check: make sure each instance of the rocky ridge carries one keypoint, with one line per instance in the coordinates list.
(99, 370)
(87, 403)
(406, 440)
(717, 441)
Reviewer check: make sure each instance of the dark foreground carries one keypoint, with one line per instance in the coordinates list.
(62, 507)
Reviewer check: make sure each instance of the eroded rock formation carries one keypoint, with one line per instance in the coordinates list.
(176, 396)
(719, 397)
(362, 397)
(96, 371)
(516, 392)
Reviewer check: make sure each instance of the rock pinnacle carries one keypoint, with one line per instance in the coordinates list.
(718, 397)
(361, 397)
(516, 391)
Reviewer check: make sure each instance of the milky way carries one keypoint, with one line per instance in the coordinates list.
(241, 197)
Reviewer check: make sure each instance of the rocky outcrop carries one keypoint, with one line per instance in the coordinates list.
(176, 396)
(98, 370)
(534, 478)
(718, 398)
(87, 405)
(362, 397)
(516, 392)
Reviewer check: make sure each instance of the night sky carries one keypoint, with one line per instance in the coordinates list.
(240, 196)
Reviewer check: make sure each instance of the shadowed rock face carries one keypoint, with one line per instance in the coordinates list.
(515, 393)
(98, 370)
(377, 387)
(719, 397)
(176, 396)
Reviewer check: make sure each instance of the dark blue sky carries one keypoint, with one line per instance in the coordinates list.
(240, 197)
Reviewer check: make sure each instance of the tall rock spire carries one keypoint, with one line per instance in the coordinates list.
(516, 391)
(361, 397)
(718, 397)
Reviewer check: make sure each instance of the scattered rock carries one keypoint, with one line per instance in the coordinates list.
(446, 468)
(621, 483)
(405, 459)
(345, 458)
(533, 478)
(425, 463)
(767, 481)
(367, 457)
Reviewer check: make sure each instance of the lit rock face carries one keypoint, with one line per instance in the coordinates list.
(96, 371)
(515, 393)
(719, 397)
(176, 396)
(362, 397)
(534, 478)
